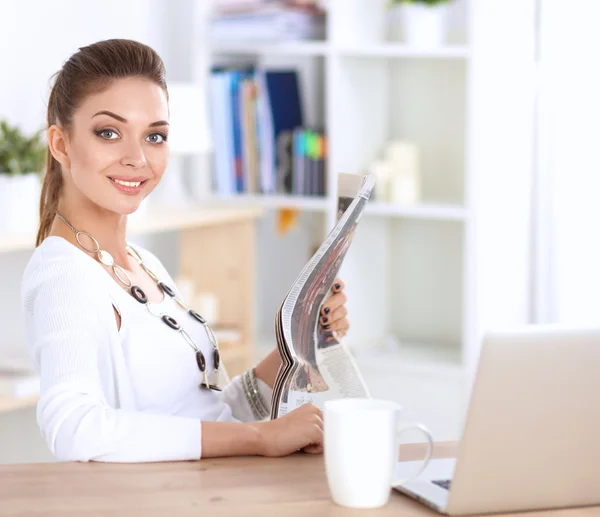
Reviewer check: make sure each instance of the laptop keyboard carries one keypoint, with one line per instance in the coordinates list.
(444, 483)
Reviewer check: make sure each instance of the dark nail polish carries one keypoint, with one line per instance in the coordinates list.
(337, 286)
(325, 320)
(326, 327)
(326, 310)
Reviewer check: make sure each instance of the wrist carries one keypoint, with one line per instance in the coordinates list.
(258, 438)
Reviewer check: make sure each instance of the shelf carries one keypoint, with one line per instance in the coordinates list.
(10, 404)
(319, 48)
(308, 203)
(411, 358)
(404, 51)
(436, 212)
(292, 48)
(155, 220)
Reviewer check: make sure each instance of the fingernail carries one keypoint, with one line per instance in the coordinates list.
(326, 310)
(326, 327)
(325, 320)
(337, 286)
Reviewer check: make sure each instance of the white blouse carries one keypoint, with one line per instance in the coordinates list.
(121, 395)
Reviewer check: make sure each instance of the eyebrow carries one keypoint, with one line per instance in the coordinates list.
(124, 120)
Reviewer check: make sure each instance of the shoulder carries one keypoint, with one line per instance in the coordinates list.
(61, 267)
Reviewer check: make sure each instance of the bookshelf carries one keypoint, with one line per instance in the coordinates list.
(404, 51)
(300, 48)
(423, 281)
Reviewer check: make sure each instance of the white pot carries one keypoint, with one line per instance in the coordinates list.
(424, 26)
(19, 203)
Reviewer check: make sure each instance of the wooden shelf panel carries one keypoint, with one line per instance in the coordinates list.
(156, 220)
(12, 404)
(309, 203)
(440, 212)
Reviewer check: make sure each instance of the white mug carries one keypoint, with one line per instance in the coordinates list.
(361, 450)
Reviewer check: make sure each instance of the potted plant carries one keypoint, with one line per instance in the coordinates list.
(21, 164)
(423, 21)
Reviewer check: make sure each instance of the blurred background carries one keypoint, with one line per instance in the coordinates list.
(476, 117)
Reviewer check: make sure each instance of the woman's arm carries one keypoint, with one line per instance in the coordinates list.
(71, 327)
(298, 429)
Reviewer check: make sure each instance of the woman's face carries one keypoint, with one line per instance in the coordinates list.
(117, 147)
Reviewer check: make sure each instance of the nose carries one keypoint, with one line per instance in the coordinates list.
(134, 156)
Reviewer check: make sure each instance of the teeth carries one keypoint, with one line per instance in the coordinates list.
(128, 183)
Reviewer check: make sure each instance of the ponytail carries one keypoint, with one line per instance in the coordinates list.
(51, 188)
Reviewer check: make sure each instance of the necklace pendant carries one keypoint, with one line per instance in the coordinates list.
(214, 380)
(138, 294)
(106, 258)
(197, 316)
(201, 361)
(205, 383)
(166, 289)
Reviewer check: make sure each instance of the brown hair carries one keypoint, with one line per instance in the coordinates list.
(90, 70)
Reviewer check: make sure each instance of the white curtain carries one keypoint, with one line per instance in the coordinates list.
(566, 268)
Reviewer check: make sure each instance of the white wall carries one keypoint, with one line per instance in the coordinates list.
(568, 257)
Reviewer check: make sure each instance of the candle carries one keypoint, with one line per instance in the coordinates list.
(381, 172)
(404, 162)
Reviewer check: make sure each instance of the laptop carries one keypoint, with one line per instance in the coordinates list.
(531, 438)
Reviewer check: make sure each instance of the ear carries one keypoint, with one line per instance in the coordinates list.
(57, 143)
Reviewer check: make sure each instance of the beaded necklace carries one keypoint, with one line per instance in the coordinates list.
(105, 258)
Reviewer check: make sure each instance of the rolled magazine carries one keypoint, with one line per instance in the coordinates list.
(316, 365)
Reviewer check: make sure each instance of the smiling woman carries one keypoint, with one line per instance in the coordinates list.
(128, 371)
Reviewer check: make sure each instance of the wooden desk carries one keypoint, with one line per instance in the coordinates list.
(295, 486)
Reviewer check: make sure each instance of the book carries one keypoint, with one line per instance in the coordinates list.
(316, 364)
(262, 142)
(267, 23)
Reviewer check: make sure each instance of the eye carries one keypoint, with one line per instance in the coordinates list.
(156, 138)
(107, 134)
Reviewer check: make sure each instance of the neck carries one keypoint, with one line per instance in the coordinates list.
(108, 228)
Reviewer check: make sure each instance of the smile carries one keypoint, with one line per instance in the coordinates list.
(128, 183)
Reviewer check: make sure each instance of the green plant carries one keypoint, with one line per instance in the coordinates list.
(20, 154)
(424, 2)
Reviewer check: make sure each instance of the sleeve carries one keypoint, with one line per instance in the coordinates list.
(234, 394)
(70, 320)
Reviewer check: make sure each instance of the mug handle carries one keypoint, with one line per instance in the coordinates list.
(428, 454)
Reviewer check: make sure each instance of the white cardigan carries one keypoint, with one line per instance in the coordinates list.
(128, 395)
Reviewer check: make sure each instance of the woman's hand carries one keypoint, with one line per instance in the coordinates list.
(300, 429)
(334, 313)
(333, 317)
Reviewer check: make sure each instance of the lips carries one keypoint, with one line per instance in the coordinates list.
(128, 185)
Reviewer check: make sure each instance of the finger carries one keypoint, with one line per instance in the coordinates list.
(338, 314)
(337, 326)
(313, 449)
(335, 301)
(338, 285)
(316, 436)
(318, 420)
(340, 333)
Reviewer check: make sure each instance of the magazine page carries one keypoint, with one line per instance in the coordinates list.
(317, 366)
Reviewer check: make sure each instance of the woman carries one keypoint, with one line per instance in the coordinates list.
(128, 371)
